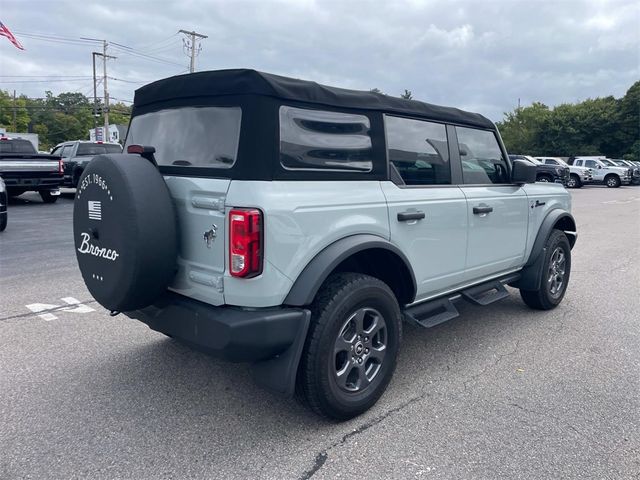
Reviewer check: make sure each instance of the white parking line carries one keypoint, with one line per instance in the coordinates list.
(47, 316)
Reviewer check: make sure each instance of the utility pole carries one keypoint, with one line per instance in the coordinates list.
(15, 121)
(95, 95)
(106, 91)
(191, 46)
(105, 108)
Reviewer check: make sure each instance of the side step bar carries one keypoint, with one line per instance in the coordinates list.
(434, 312)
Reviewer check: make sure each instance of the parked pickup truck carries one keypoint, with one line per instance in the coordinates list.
(546, 173)
(77, 154)
(24, 169)
(578, 176)
(605, 171)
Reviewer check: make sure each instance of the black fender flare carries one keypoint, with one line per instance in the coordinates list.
(531, 273)
(308, 283)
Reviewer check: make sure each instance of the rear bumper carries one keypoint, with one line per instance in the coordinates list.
(234, 334)
(27, 183)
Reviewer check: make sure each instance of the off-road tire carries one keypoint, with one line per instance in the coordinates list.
(574, 181)
(338, 299)
(47, 197)
(543, 298)
(612, 181)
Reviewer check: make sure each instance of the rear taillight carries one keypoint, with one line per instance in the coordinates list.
(245, 242)
(60, 166)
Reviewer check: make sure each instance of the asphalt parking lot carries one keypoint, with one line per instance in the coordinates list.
(500, 392)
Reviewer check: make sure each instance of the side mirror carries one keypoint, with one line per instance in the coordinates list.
(523, 172)
(599, 167)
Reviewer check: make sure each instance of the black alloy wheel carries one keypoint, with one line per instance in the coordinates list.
(360, 349)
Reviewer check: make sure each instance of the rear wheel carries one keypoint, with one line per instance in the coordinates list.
(612, 181)
(351, 349)
(48, 197)
(554, 277)
(574, 181)
(3, 221)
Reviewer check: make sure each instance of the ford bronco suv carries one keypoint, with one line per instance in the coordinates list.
(295, 226)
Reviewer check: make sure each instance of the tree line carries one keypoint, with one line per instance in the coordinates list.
(56, 118)
(600, 126)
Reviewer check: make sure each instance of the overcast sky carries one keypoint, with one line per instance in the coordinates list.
(476, 55)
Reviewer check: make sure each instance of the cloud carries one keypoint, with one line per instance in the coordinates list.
(482, 56)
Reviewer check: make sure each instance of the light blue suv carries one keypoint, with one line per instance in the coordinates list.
(296, 226)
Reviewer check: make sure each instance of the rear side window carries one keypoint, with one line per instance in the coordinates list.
(418, 150)
(97, 149)
(326, 141)
(481, 157)
(190, 136)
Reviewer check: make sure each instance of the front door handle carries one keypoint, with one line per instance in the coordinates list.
(406, 216)
(481, 210)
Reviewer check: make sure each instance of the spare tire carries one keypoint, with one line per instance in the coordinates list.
(124, 226)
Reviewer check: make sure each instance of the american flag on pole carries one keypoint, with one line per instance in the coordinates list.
(5, 32)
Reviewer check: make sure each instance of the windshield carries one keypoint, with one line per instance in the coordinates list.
(609, 163)
(190, 136)
(93, 149)
(16, 146)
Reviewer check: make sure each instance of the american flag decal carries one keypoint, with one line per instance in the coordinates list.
(95, 210)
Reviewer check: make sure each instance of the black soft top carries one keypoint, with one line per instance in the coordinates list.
(251, 82)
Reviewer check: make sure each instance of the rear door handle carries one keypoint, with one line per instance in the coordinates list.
(480, 210)
(406, 216)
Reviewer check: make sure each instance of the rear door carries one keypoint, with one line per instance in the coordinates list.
(427, 213)
(497, 211)
(197, 144)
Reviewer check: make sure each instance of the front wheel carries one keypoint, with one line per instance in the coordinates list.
(352, 346)
(574, 181)
(554, 278)
(543, 178)
(612, 181)
(48, 197)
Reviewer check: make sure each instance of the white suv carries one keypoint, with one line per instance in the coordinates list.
(294, 226)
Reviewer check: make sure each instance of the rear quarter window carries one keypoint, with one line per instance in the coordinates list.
(317, 140)
(190, 136)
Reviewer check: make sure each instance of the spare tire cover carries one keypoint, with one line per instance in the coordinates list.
(124, 225)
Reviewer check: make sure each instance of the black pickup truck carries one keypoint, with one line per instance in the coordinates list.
(546, 173)
(77, 154)
(24, 169)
